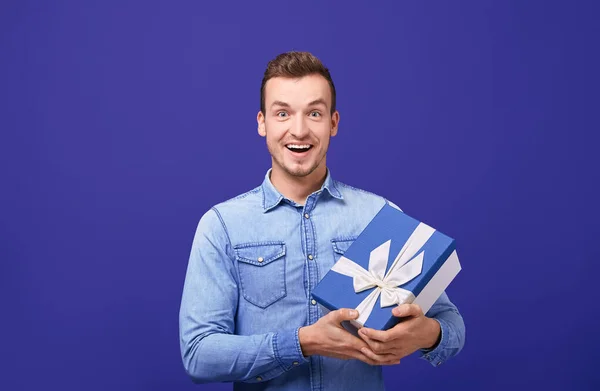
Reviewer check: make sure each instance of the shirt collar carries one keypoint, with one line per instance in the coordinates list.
(272, 197)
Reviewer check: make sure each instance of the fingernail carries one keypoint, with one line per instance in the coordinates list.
(353, 313)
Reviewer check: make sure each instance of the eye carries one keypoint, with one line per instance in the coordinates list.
(315, 114)
(281, 114)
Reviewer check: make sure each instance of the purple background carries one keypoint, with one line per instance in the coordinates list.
(122, 123)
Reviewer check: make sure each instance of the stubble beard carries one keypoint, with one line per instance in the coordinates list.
(298, 172)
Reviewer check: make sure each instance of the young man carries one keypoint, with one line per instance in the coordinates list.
(246, 314)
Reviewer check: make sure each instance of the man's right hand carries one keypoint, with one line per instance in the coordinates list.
(327, 337)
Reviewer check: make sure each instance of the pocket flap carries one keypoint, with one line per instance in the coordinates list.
(341, 245)
(259, 254)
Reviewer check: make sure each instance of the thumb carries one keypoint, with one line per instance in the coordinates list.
(343, 314)
(405, 310)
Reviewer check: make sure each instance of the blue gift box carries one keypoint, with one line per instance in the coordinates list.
(396, 259)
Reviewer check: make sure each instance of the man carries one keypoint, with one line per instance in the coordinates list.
(247, 315)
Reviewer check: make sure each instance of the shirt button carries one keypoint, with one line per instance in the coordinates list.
(310, 257)
(306, 215)
(295, 363)
(258, 378)
(438, 364)
(313, 302)
(260, 259)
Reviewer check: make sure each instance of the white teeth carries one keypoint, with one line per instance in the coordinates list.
(296, 146)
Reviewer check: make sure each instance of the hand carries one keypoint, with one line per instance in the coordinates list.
(327, 337)
(415, 332)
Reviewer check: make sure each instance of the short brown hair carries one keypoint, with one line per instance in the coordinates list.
(294, 65)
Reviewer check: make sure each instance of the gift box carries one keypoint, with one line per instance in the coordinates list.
(396, 259)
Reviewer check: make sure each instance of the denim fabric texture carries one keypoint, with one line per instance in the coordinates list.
(253, 264)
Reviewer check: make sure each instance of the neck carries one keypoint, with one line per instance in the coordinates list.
(296, 188)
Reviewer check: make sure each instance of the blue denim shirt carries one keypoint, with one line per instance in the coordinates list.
(254, 261)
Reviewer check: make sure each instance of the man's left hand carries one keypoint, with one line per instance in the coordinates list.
(415, 332)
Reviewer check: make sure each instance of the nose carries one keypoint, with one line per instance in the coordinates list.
(299, 128)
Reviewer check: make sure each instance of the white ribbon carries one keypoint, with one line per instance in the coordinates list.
(404, 268)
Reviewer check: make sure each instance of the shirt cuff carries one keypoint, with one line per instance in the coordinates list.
(288, 352)
(435, 356)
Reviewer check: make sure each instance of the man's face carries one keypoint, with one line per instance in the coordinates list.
(298, 123)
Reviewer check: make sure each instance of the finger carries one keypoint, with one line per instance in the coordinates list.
(343, 314)
(405, 310)
(380, 359)
(376, 346)
(379, 335)
(355, 343)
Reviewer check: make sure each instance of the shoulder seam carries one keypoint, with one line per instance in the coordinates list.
(214, 208)
(243, 195)
(359, 189)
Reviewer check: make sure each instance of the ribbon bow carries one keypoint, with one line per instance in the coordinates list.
(404, 268)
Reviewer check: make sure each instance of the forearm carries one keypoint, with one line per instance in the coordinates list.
(433, 335)
(220, 357)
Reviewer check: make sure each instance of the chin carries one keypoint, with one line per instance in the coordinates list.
(300, 171)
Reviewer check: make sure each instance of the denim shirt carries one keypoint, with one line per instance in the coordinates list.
(254, 261)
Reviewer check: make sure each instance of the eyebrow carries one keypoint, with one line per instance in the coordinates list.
(315, 102)
(280, 103)
(319, 101)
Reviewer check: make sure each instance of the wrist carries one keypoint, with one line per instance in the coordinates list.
(307, 341)
(434, 335)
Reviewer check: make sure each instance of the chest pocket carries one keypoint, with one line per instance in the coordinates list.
(262, 272)
(340, 246)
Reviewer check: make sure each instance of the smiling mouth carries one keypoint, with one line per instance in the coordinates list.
(299, 148)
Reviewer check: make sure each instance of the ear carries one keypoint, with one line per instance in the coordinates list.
(335, 121)
(260, 119)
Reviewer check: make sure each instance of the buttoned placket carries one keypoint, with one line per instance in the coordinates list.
(308, 231)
